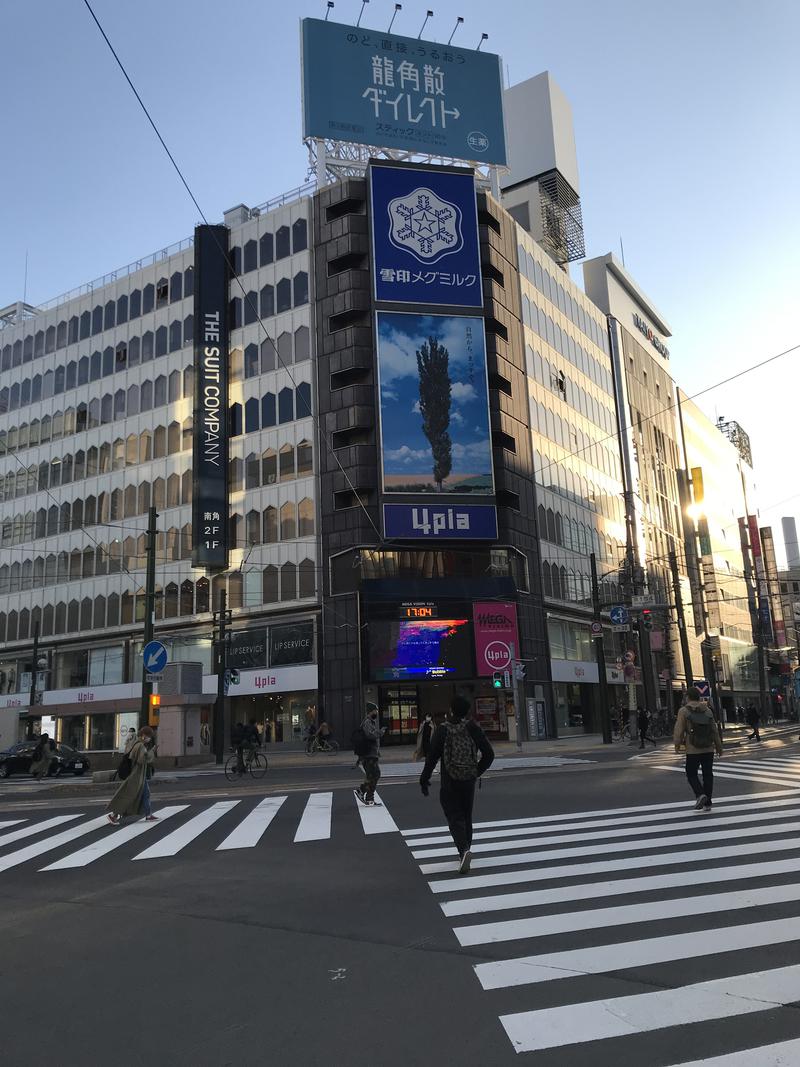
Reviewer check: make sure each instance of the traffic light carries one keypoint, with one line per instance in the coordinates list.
(519, 671)
(154, 709)
(647, 619)
(234, 676)
(497, 680)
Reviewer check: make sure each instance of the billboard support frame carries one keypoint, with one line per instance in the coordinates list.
(332, 160)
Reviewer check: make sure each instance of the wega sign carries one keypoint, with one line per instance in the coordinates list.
(495, 626)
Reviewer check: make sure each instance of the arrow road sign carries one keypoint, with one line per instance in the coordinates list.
(618, 615)
(155, 657)
(703, 688)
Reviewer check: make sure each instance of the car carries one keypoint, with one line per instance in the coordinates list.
(18, 758)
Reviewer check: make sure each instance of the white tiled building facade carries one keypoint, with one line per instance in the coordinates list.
(96, 408)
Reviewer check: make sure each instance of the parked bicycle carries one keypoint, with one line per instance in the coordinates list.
(253, 761)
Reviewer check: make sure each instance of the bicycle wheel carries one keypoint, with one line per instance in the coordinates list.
(258, 765)
(232, 768)
(333, 746)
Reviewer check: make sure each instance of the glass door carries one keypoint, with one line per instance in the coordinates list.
(399, 714)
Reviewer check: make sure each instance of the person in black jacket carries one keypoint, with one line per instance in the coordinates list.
(456, 743)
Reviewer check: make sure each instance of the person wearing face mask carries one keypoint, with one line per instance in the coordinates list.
(424, 738)
(370, 755)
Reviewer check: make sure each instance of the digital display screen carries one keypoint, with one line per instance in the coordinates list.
(420, 648)
(418, 611)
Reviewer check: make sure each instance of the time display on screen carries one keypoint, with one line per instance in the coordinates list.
(418, 611)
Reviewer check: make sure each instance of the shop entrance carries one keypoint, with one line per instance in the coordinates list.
(404, 707)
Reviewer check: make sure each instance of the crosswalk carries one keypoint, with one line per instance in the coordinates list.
(768, 770)
(620, 897)
(75, 840)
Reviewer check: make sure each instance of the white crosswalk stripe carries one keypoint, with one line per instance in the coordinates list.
(224, 826)
(726, 884)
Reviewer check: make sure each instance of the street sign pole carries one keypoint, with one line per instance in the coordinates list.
(600, 654)
(149, 612)
(515, 691)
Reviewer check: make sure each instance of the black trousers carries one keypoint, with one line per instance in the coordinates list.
(457, 799)
(705, 761)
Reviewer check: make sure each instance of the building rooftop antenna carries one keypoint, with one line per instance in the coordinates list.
(428, 15)
(459, 20)
(484, 37)
(397, 7)
(361, 12)
(328, 9)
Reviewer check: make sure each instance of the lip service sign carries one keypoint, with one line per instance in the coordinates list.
(495, 626)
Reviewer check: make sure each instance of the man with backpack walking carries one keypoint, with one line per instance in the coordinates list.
(456, 743)
(367, 746)
(698, 730)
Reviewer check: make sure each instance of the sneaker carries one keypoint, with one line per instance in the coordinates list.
(701, 802)
(113, 819)
(707, 806)
(370, 803)
(151, 818)
(466, 859)
(360, 795)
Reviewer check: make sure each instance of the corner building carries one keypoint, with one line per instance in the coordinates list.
(96, 425)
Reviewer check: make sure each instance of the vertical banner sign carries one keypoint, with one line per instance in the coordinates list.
(761, 578)
(495, 626)
(210, 440)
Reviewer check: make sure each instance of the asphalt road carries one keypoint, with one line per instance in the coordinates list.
(282, 923)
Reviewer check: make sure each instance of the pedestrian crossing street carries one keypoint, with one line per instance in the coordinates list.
(581, 919)
(77, 840)
(769, 770)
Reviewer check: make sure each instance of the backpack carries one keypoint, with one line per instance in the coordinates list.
(460, 755)
(125, 765)
(361, 743)
(700, 728)
(38, 752)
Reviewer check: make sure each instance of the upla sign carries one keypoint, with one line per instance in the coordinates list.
(496, 636)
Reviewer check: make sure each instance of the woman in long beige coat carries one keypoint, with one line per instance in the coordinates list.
(133, 796)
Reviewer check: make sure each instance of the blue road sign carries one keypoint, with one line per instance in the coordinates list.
(155, 657)
(703, 688)
(619, 616)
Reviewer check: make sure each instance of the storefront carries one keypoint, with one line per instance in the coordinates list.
(94, 718)
(278, 700)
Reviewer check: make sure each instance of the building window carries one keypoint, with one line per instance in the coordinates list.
(282, 248)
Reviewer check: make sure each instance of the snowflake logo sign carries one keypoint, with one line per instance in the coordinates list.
(425, 225)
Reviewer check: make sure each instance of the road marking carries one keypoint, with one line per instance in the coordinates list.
(252, 827)
(537, 898)
(37, 828)
(178, 839)
(581, 870)
(605, 959)
(13, 859)
(315, 824)
(782, 1054)
(624, 915)
(10, 822)
(111, 841)
(757, 800)
(763, 779)
(608, 835)
(376, 820)
(598, 1020)
(540, 855)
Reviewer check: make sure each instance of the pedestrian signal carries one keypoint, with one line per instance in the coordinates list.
(497, 680)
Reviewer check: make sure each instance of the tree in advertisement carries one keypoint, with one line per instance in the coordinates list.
(433, 363)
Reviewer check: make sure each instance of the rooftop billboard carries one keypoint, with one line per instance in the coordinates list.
(381, 89)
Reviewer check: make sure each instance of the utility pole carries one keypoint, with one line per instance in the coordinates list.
(684, 637)
(221, 623)
(600, 653)
(149, 611)
(515, 693)
(34, 669)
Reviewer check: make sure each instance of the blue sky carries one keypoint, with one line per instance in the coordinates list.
(686, 126)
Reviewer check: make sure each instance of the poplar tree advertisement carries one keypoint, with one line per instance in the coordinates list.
(434, 404)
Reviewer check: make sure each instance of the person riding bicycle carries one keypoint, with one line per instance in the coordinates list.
(324, 735)
(238, 743)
